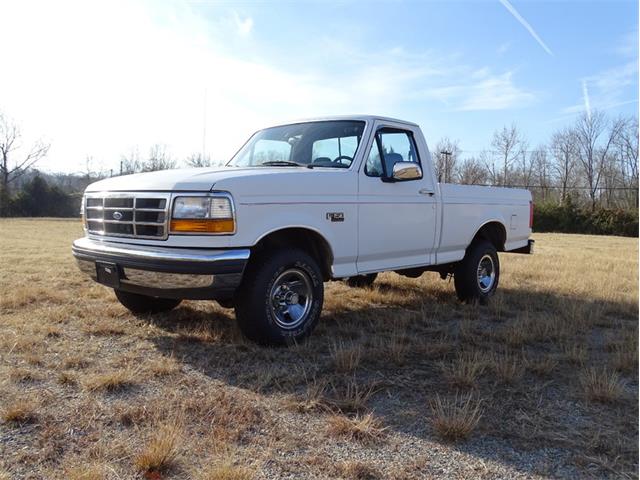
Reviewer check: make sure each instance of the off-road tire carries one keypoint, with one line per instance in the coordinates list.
(253, 298)
(466, 280)
(137, 303)
(361, 281)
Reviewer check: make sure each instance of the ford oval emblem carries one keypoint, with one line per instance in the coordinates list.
(117, 216)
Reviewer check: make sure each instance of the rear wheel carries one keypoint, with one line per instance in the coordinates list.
(361, 281)
(138, 303)
(280, 299)
(476, 276)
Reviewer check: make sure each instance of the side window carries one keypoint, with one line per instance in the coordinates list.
(389, 147)
(397, 146)
(373, 165)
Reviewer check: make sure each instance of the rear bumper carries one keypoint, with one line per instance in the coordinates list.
(166, 272)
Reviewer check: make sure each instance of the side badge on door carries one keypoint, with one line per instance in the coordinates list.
(335, 216)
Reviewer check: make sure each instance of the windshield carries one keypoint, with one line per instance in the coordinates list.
(330, 144)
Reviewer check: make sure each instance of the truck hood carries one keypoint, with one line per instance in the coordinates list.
(188, 179)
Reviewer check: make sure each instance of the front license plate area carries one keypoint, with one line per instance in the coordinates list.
(108, 274)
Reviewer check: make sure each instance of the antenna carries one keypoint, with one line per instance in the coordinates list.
(204, 125)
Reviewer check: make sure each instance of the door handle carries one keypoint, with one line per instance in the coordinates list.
(426, 191)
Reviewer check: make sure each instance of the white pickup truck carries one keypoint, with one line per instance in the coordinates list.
(298, 205)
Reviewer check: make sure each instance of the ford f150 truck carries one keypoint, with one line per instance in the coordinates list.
(298, 205)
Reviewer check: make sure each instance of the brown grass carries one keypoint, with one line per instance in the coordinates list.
(350, 396)
(363, 429)
(20, 412)
(602, 385)
(346, 357)
(86, 472)
(112, 381)
(226, 471)
(24, 375)
(355, 470)
(160, 452)
(576, 353)
(508, 368)
(541, 365)
(87, 387)
(164, 366)
(456, 418)
(465, 370)
(624, 354)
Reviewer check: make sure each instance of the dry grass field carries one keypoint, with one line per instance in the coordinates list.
(398, 381)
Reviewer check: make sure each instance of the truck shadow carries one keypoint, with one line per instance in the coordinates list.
(406, 353)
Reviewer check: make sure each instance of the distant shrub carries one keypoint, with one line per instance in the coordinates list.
(569, 218)
(40, 199)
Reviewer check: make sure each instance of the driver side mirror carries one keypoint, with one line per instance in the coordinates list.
(403, 171)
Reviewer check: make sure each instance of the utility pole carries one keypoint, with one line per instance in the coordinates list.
(446, 166)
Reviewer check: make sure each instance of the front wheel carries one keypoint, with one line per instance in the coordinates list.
(476, 276)
(280, 298)
(137, 303)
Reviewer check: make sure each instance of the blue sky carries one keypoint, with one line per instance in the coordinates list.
(120, 76)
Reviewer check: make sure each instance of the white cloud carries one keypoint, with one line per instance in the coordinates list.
(607, 89)
(484, 91)
(503, 48)
(585, 95)
(244, 26)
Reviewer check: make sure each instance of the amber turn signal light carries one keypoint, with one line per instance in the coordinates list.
(204, 225)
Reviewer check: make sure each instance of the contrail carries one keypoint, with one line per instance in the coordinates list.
(585, 94)
(526, 25)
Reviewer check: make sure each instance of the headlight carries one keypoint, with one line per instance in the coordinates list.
(203, 214)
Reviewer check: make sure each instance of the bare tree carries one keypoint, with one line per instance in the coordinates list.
(472, 172)
(627, 146)
(594, 140)
(611, 180)
(196, 160)
(526, 165)
(131, 162)
(542, 168)
(446, 158)
(158, 159)
(509, 144)
(564, 150)
(11, 146)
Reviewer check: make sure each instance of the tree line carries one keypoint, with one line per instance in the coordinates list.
(594, 162)
(583, 179)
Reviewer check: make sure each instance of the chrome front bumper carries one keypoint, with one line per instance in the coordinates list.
(163, 271)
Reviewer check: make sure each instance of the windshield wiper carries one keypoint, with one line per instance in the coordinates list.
(281, 163)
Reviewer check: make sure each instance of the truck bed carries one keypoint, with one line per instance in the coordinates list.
(464, 205)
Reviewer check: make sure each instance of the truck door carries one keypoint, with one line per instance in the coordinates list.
(396, 219)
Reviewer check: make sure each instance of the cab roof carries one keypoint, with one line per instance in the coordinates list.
(362, 118)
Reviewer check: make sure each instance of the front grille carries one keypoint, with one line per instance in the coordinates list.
(136, 215)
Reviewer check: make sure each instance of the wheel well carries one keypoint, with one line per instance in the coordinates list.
(308, 240)
(493, 232)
